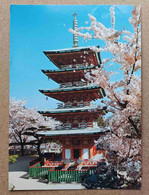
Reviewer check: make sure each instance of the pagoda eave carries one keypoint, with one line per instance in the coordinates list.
(92, 93)
(70, 112)
(67, 75)
(73, 56)
(66, 70)
(59, 133)
(93, 115)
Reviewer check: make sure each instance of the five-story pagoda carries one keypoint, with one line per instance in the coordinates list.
(76, 111)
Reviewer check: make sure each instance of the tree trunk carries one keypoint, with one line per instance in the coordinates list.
(38, 147)
(22, 149)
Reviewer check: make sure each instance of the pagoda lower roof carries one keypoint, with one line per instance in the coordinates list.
(72, 110)
(86, 131)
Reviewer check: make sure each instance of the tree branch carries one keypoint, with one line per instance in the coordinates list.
(138, 133)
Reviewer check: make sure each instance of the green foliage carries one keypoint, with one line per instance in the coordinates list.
(13, 158)
(100, 122)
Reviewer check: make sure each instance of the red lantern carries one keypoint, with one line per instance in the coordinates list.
(94, 150)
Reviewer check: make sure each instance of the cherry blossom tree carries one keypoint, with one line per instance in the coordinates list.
(125, 104)
(21, 119)
(128, 155)
(51, 145)
(123, 98)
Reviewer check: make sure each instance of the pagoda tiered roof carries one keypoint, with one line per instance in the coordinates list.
(69, 50)
(68, 69)
(78, 55)
(74, 110)
(67, 74)
(69, 114)
(61, 94)
(86, 131)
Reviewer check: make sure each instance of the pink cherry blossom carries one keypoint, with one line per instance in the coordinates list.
(123, 96)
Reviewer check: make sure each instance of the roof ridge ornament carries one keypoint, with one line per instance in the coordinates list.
(75, 26)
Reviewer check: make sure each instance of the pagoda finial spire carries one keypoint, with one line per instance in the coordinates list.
(75, 26)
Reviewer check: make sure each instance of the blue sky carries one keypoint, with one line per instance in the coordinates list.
(35, 28)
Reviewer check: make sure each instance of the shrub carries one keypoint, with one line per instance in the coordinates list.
(13, 158)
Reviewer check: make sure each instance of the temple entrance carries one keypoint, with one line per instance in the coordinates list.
(67, 154)
(76, 153)
(85, 153)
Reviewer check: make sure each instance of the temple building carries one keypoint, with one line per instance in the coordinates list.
(77, 113)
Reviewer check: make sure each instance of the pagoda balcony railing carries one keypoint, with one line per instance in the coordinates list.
(74, 66)
(74, 84)
(74, 104)
(76, 126)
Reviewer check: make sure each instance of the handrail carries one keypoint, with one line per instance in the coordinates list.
(73, 66)
(60, 175)
(69, 175)
(74, 105)
(34, 165)
(52, 169)
(80, 126)
(74, 84)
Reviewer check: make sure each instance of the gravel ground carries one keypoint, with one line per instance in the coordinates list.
(19, 178)
(20, 181)
(22, 163)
